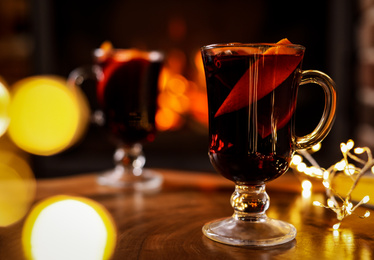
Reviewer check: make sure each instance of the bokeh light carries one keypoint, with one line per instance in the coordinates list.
(4, 106)
(17, 188)
(68, 227)
(46, 115)
(306, 189)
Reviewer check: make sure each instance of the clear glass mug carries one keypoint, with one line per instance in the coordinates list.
(125, 104)
(252, 93)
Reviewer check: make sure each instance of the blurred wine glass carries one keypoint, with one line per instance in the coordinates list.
(126, 95)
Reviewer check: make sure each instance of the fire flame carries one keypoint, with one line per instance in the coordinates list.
(181, 99)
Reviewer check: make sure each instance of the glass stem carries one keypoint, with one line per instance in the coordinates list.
(250, 202)
(130, 159)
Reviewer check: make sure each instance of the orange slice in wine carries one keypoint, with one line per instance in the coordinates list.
(265, 129)
(269, 77)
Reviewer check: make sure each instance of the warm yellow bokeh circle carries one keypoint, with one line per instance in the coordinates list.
(69, 227)
(17, 188)
(46, 116)
(4, 105)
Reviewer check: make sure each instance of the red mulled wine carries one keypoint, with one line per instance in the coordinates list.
(127, 93)
(251, 99)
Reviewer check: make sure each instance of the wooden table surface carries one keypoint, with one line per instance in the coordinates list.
(166, 224)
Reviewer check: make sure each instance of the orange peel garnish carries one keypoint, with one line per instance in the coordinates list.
(106, 46)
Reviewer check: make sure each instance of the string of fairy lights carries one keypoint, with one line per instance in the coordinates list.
(351, 165)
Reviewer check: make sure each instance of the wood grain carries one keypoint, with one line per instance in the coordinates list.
(166, 224)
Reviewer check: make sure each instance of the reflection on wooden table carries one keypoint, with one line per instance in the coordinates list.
(166, 224)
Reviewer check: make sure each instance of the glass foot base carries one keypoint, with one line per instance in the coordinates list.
(147, 180)
(266, 232)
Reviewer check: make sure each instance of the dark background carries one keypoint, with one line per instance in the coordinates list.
(58, 36)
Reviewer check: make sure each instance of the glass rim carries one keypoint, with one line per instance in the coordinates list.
(253, 45)
(126, 53)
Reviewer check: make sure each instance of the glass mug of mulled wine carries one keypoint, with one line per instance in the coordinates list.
(252, 91)
(125, 100)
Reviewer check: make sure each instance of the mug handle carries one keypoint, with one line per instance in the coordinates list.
(86, 78)
(325, 124)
